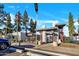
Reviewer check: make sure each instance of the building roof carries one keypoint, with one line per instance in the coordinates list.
(60, 25)
(49, 29)
(75, 34)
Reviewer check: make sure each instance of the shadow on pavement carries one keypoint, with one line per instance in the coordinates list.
(6, 51)
(23, 46)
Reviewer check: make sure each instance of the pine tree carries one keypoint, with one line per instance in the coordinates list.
(18, 21)
(2, 17)
(71, 25)
(8, 28)
(8, 24)
(78, 25)
(25, 20)
(32, 26)
(18, 25)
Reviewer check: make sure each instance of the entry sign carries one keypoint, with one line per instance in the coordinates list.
(29, 34)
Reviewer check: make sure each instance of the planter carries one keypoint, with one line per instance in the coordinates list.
(55, 44)
(39, 42)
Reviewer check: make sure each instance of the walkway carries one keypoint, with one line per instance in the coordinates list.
(59, 49)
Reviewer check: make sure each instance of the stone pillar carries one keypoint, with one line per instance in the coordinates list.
(43, 37)
(61, 35)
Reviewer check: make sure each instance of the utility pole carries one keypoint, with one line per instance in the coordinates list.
(36, 10)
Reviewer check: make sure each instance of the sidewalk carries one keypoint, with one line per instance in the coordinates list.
(59, 49)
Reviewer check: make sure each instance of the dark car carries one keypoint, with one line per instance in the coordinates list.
(4, 43)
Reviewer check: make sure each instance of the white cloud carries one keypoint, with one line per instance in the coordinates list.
(43, 26)
(63, 19)
(54, 23)
(12, 18)
(76, 23)
(76, 26)
(48, 21)
(42, 23)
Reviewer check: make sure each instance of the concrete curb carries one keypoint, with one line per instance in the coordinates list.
(44, 52)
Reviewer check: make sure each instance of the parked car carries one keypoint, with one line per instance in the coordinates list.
(4, 44)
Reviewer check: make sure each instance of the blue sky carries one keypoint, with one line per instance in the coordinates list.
(52, 10)
(48, 13)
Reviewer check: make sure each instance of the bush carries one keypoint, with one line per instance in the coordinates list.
(14, 40)
(67, 40)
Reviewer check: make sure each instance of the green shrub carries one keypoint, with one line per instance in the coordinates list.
(14, 40)
(67, 40)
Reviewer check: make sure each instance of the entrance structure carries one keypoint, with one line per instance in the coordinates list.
(48, 35)
(60, 29)
(51, 34)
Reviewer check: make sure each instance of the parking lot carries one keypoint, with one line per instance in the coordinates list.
(12, 51)
(4, 52)
(43, 50)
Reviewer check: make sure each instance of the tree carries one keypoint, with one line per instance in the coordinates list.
(78, 25)
(32, 28)
(0, 33)
(25, 20)
(15, 26)
(3, 14)
(18, 24)
(8, 28)
(71, 25)
(8, 24)
(18, 21)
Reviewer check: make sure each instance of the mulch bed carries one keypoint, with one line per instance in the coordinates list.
(69, 45)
